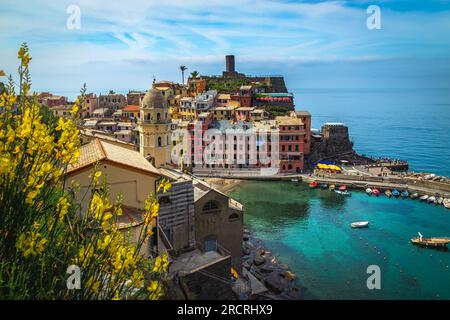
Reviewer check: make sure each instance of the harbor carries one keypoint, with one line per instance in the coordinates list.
(310, 230)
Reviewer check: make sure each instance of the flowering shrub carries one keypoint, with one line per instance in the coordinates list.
(42, 231)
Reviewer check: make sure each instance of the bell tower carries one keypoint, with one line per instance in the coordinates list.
(155, 128)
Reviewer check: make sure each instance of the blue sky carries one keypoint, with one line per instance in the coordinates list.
(316, 44)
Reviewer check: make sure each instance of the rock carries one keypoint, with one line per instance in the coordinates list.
(246, 236)
(260, 251)
(288, 275)
(259, 260)
(283, 266)
(274, 282)
(254, 271)
(249, 245)
(267, 268)
(247, 265)
(246, 251)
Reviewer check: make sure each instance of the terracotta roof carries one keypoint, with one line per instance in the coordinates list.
(100, 150)
(131, 108)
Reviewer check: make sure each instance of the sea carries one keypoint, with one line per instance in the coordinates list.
(310, 229)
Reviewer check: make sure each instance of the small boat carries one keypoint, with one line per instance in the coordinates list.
(344, 193)
(376, 192)
(431, 199)
(369, 191)
(388, 193)
(360, 224)
(424, 198)
(430, 242)
(414, 195)
(395, 193)
(323, 186)
(332, 187)
(404, 194)
(446, 203)
(313, 184)
(343, 188)
(439, 200)
(294, 180)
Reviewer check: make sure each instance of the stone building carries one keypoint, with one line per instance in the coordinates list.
(154, 128)
(112, 100)
(127, 172)
(218, 222)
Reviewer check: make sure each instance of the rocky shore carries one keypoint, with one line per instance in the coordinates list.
(264, 266)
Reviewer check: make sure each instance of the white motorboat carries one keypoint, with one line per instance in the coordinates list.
(431, 199)
(369, 191)
(294, 180)
(446, 203)
(424, 198)
(439, 200)
(360, 224)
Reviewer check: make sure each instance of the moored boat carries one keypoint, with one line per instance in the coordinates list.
(430, 242)
(395, 193)
(431, 199)
(323, 186)
(360, 224)
(344, 193)
(369, 191)
(439, 200)
(414, 195)
(332, 187)
(295, 180)
(404, 194)
(343, 188)
(376, 192)
(388, 193)
(446, 203)
(313, 184)
(424, 197)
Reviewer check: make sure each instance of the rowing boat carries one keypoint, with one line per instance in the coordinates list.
(360, 224)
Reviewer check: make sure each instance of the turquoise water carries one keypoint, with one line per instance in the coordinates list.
(310, 230)
(411, 124)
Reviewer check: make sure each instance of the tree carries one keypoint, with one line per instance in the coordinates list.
(194, 74)
(43, 233)
(183, 69)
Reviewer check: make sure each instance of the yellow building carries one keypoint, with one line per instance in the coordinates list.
(155, 128)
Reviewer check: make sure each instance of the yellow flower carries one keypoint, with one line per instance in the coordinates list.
(62, 207)
(155, 290)
(30, 196)
(31, 243)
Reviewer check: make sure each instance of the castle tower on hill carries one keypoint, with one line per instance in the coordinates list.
(155, 128)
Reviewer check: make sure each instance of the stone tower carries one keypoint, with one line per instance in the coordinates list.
(155, 128)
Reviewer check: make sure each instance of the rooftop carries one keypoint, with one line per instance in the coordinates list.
(100, 150)
(131, 108)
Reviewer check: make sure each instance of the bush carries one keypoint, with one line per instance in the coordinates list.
(42, 231)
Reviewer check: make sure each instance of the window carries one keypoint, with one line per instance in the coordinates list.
(164, 200)
(158, 117)
(210, 243)
(233, 217)
(159, 141)
(210, 206)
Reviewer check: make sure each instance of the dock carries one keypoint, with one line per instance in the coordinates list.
(363, 182)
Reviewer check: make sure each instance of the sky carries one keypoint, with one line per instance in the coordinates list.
(122, 45)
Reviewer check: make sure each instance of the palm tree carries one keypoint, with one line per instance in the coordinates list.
(183, 69)
(194, 74)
